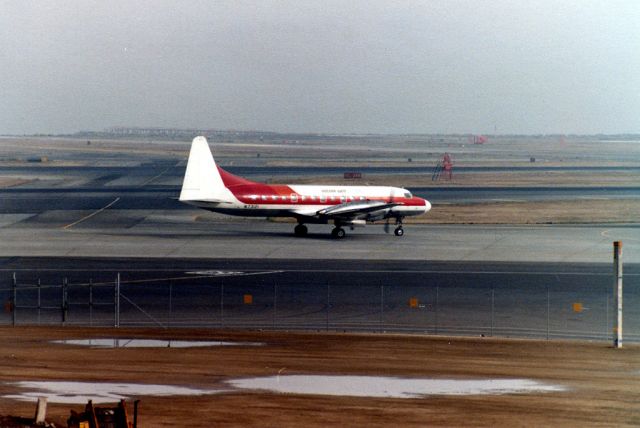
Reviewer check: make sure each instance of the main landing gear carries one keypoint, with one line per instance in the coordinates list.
(300, 230)
(338, 232)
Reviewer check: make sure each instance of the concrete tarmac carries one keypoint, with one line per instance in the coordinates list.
(198, 234)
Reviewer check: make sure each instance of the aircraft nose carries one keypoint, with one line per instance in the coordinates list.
(427, 206)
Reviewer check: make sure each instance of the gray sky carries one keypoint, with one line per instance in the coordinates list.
(321, 66)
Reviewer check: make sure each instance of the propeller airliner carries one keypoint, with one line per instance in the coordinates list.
(210, 187)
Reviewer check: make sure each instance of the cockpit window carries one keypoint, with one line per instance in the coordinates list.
(407, 195)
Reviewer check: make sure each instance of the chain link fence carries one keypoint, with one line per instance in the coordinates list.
(296, 301)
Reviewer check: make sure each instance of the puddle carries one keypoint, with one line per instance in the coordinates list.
(354, 386)
(391, 387)
(81, 392)
(150, 343)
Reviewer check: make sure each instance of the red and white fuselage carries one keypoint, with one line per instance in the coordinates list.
(208, 186)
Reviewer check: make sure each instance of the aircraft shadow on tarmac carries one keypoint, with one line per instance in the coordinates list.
(319, 236)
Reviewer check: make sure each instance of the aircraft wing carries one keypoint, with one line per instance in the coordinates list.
(355, 208)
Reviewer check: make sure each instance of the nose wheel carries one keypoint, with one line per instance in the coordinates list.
(398, 230)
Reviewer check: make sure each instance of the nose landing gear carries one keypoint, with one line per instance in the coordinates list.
(398, 230)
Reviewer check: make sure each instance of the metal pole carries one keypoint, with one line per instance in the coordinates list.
(437, 309)
(381, 308)
(90, 302)
(170, 304)
(328, 303)
(617, 262)
(606, 325)
(275, 304)
(14, 300)
(548, 310)
(222, 303)
(39, 300)
(116, 305)
(64, 301)
(492, 309)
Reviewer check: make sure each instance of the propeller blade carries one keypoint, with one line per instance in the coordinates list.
(386, 226)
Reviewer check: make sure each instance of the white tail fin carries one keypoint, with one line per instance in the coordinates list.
(202, 181)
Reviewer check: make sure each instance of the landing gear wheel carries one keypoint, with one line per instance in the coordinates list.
(399, 231)
(338, 233)
(300, 230)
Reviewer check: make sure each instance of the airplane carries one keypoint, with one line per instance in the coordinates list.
(210, 187)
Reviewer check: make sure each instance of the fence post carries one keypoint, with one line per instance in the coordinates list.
(64, 305)
(492, 309)
(548, 310)
(275, 304)
(14, 303)
(381, 308)
(90, 302)
(222, 303)
(436, 309)
(328, 303)
(39, 300)
(116, 301)
(170, 304)
(617, 262)
(606, 326)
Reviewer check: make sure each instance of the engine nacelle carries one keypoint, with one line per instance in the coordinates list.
(356, 223)
(377, 215)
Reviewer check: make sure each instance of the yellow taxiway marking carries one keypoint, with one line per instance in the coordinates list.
(70, 225)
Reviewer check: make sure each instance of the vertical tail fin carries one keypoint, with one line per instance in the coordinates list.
(202, 181)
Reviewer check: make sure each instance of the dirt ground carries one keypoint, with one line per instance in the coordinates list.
(12, 182)
(603, 383)
(621, 211)
(539, 212)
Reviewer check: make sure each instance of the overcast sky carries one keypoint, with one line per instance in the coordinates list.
(321, 66)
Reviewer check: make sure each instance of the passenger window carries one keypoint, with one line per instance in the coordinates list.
(264, 197)
(294, 197)
(343, 198)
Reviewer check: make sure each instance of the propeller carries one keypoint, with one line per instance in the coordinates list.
(386, 223)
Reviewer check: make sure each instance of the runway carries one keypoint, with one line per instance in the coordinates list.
(154, 198)
(156, 185)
